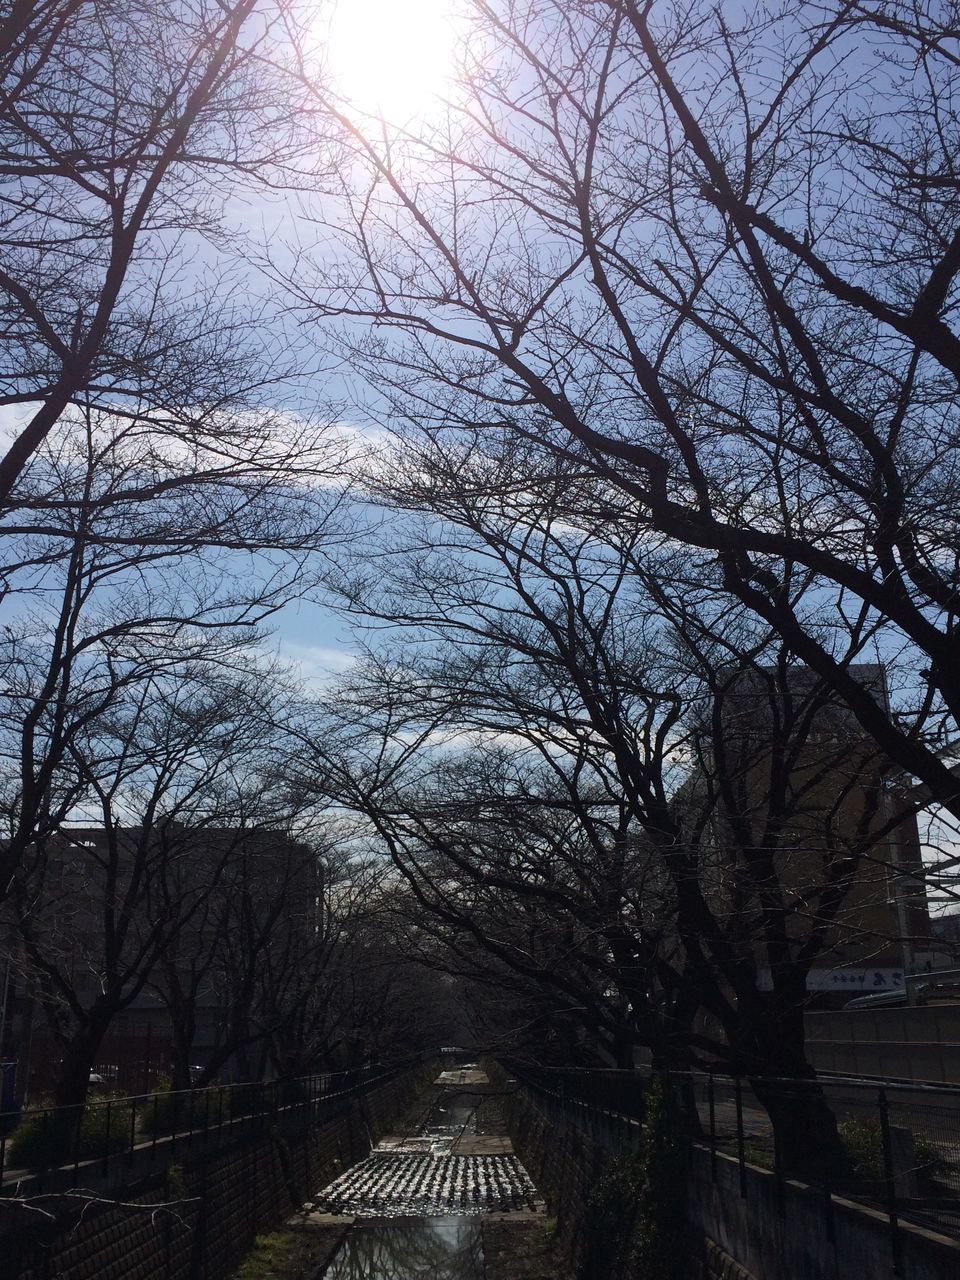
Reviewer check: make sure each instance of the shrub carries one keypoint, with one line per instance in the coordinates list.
(863, 1140)
(610, 1217)
(47, 1137)
(864, 1143)
(634, 1221)
(659, 1240)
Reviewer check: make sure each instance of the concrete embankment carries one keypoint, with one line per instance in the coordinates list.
(444, 1194)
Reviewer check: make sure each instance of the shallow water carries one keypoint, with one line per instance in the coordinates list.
(454, 1114)
(410, 1249)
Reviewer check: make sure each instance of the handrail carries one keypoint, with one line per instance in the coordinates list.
(213, 1110)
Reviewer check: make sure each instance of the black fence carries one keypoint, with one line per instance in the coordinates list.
(62, 1143)
(902, 1141)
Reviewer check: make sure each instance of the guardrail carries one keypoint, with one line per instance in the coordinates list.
(909, 1043)
(103, 1133)
(902, 1140)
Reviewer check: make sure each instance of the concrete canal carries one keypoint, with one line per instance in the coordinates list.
(410, 1249)
(419, 1205)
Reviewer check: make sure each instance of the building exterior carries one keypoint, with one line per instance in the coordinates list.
(808, 806)
(172, 934)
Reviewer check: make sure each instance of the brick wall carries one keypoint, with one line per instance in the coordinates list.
(230, 1196)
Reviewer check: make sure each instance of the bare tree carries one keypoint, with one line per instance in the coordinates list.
(160, 774)
(259, 913)
(711, 261)
(124, 127)
(120, 558)
(637, 800)
(361, 990)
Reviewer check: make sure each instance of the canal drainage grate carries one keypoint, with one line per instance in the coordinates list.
(399, 1185)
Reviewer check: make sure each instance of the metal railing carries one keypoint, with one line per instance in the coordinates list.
(902, 1141)
(62, 1143)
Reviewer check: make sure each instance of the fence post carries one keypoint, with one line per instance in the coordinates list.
(896, 1251)
(133, 1130)
(75, 1130)
(106, 1140)
(713, 1128)
(778, 1175)
(738, 1093)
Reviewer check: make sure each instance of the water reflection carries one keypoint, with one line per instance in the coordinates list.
(454, 1112)
(410, 1249)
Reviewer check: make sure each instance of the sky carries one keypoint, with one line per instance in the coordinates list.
(388, 59)
(384, 58)
(393, 57)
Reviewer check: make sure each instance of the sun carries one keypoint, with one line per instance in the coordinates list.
(391, 58)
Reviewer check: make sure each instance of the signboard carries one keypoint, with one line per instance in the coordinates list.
(854, 981)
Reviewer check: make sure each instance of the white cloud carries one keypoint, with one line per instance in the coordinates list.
(13, 418)
(316, 663)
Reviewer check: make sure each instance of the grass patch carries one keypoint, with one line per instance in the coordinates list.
(291, 1254)
(863, 1139)
(755, 1153)
(273, 1255)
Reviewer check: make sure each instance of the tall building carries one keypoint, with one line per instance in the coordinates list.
(806, 803)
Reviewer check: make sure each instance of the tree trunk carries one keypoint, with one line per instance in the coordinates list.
(774, 1060)
(79, 1055)
(804, 1130)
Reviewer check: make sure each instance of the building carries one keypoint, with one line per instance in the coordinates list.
(805, 803)
(172, 934)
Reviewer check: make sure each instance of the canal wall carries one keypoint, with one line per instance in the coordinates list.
(223, 1199)
(564, 1163)
(736, 1224)
(796, 1234)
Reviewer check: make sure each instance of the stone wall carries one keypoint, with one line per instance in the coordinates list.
(229, 1194)
(716, 1264)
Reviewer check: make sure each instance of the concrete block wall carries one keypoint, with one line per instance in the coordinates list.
(898, 1043)
(563, 1162)
(761, 1235)
(800, 1236)
(230, 1195)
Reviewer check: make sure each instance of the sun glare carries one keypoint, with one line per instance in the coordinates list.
(391, 57)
